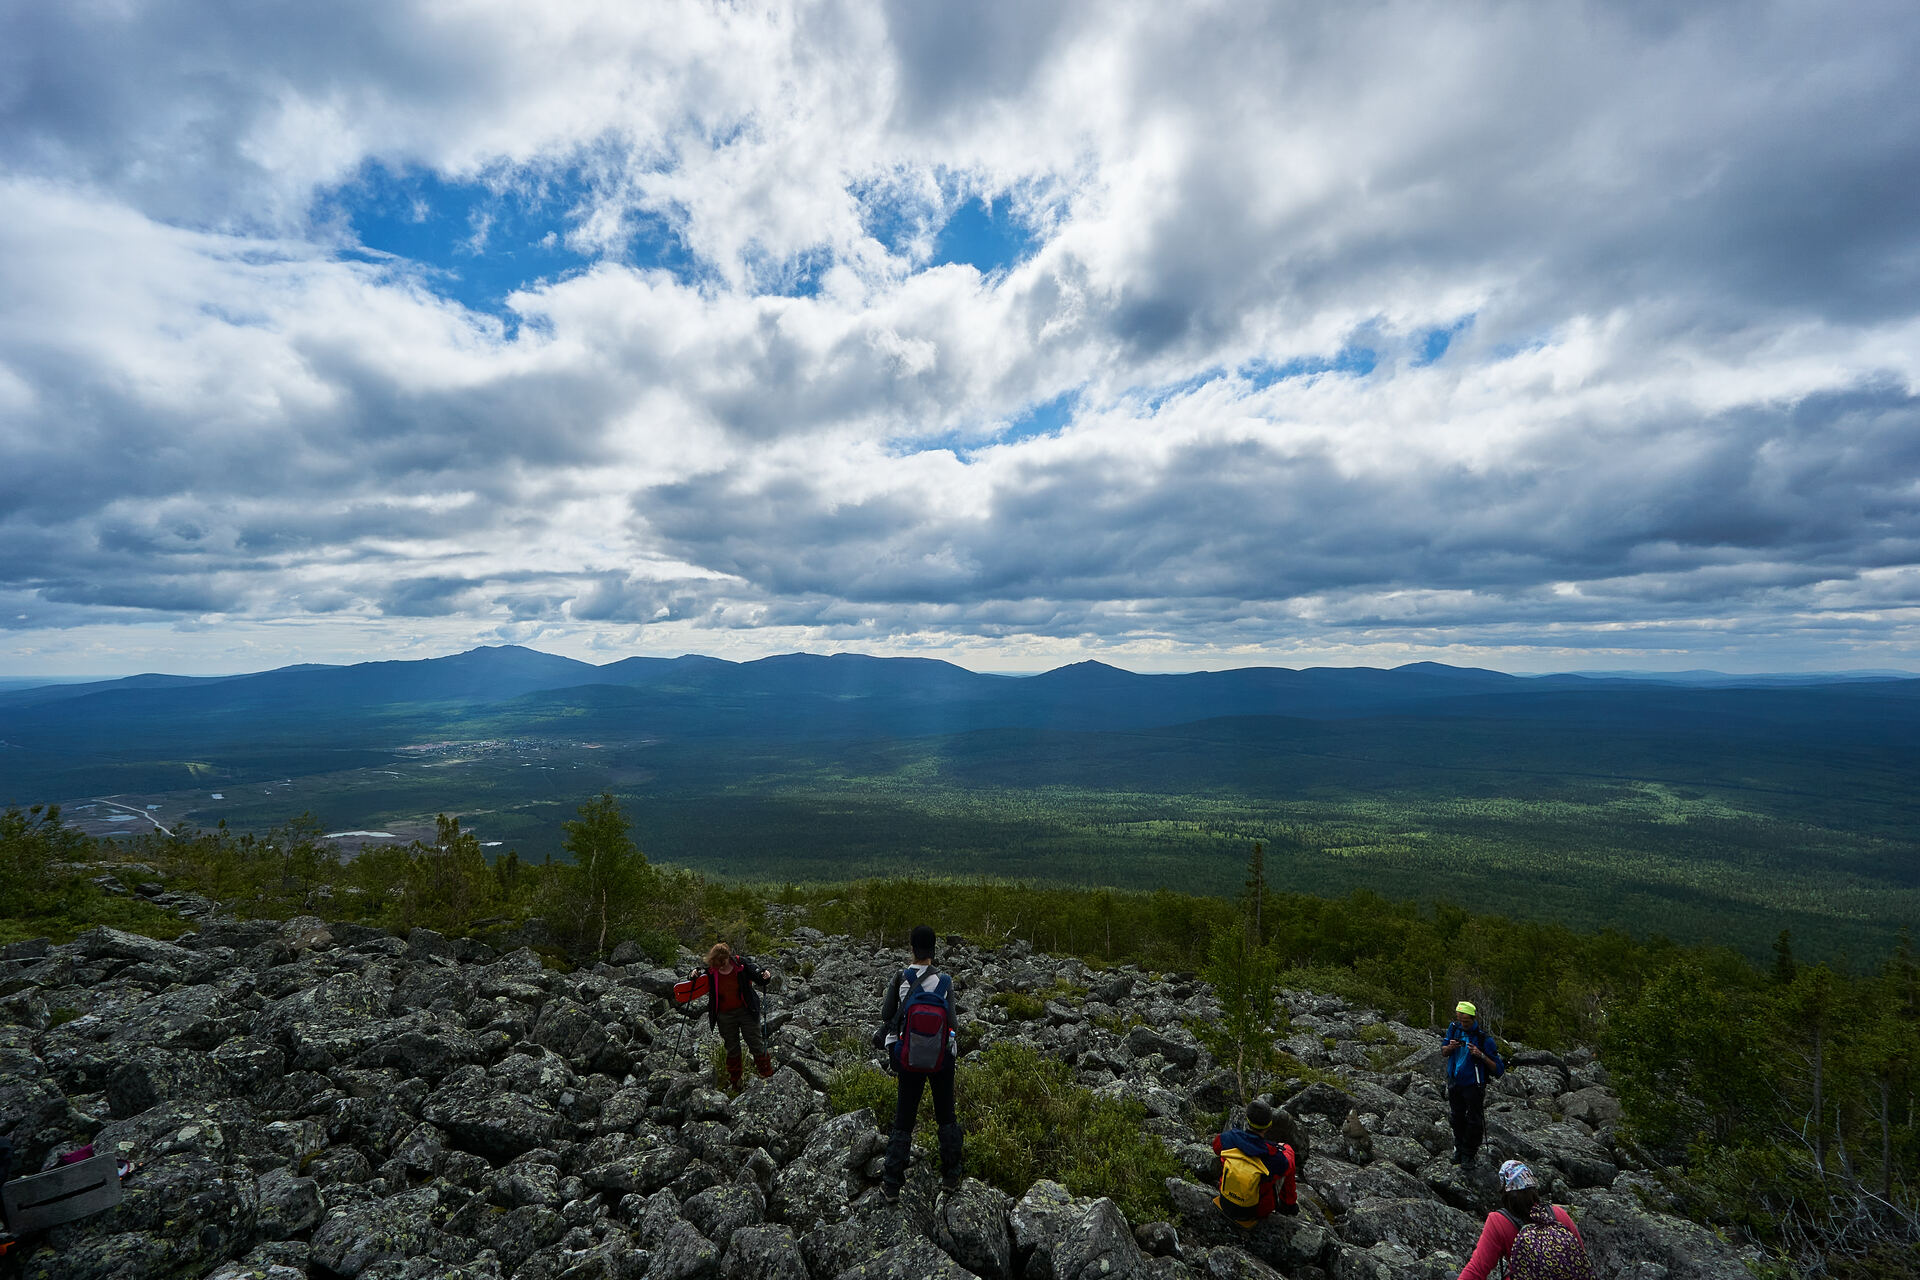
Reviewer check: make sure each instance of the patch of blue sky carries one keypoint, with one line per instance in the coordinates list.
(983, 238)
(1356, 362)
(1041, 418)
(892, 217)
(1434, 342)
(943, 218)
(475, 242)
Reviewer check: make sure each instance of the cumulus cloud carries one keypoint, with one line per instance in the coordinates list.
(1515, 331)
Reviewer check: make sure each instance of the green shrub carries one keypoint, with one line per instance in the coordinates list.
(1386, 1058)
(1297, 1074)
(866, 1086)
(659, 947)
(1025, 1119)
(1021, 1006)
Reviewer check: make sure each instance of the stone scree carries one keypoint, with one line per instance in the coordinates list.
(315, 1100)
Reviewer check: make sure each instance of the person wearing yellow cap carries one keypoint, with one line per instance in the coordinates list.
(1472, 1060)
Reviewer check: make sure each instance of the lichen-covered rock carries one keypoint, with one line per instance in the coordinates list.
(774, 1114)
(1228, 1263)
(1099, 1244)
(250, 1063)
(1344, 1185)
(354, 1238)
(527, 1182)
(643, 1172)
(1424, 1226)
(870, 1228)
(1592, 1106)
(480, 1118)
(158, 1075)
(1144, 1040)
(521, 1232)
(286, 1205)
(31, 1102)
(684, 1254)
(763, 1253)
(1569, 1149)
(720, 1211)
(970, 1225)
(1620, 1233)
(916, 1259)
(123, 1255)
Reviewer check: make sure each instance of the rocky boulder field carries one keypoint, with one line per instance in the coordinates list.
(314, 1100)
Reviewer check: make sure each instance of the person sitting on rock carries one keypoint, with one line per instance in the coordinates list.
(733, 1006)
(1472, 1060)
(1532, 1239)
(918, 1034)
(1256, 1173)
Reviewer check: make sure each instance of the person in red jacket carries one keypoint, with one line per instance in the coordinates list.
(1520, 1204)
(733, 1006)
(1276, 1192)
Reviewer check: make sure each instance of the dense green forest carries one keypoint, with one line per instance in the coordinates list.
(1709, 815)
(1781, 1097)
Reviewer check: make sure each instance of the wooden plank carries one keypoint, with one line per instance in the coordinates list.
(61, 1194)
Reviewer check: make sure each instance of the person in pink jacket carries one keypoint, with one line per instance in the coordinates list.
(1520, 1196)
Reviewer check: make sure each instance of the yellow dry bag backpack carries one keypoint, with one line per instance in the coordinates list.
(1240, 1179)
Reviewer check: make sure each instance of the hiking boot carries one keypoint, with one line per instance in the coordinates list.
(950, 1179)
(1456, 1158)
(889, 1193)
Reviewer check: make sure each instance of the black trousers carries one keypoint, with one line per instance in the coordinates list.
(906, 1110)
(1468, 1103)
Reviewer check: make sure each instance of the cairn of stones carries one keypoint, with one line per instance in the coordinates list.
(305, 1099)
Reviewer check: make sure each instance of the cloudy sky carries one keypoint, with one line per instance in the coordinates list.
(1541, 336)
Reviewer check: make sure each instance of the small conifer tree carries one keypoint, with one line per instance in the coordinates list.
(1246, 982)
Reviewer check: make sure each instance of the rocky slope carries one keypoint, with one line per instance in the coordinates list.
(326, 1101)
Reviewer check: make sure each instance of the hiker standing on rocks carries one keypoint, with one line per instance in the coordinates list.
(1530, 1238)
(734, 1006)
(1472, 1060)
(917, 1031)
(1256, 1173)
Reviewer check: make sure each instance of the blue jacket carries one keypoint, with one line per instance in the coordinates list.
(1463, 1067)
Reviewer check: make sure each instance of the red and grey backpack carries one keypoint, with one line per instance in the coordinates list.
(922, 1024)
(1543, 1249)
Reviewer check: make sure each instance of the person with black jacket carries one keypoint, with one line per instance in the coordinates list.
(902, 990)
(733, 1006)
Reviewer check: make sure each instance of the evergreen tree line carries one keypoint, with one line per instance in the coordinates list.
(1783, 1097)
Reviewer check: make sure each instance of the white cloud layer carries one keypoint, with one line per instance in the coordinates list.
(1677, 422)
